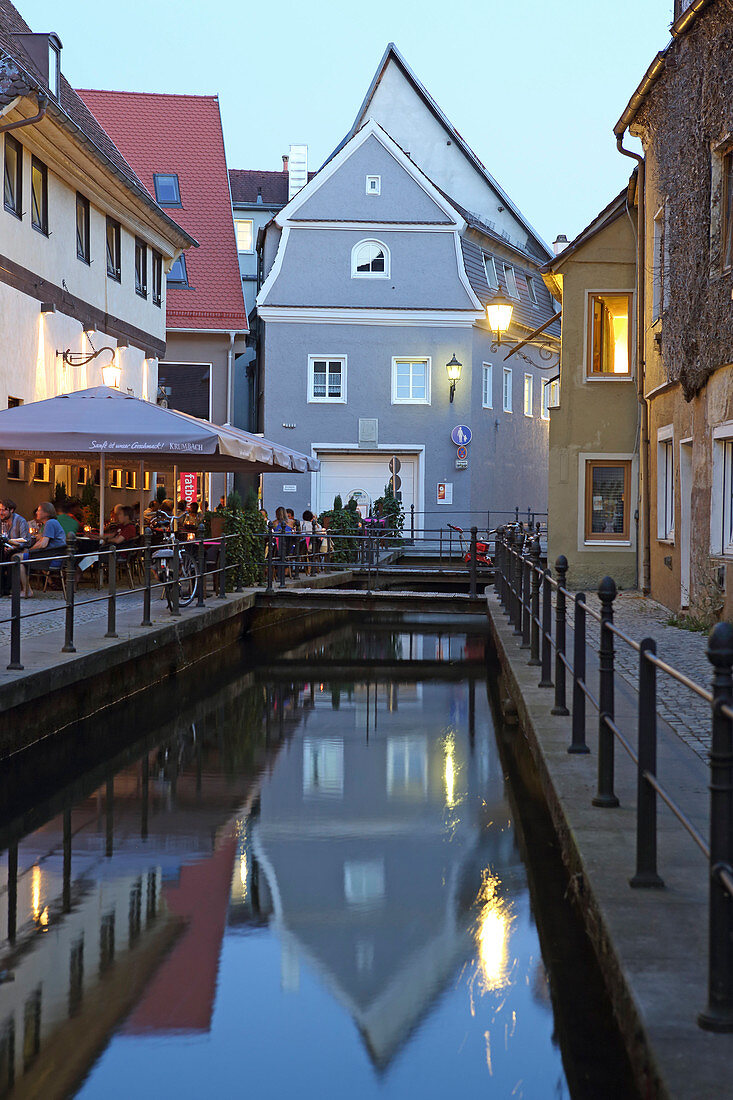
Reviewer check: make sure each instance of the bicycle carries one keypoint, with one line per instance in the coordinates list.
(188, 574)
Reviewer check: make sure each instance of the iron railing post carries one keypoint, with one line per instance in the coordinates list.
(270, 558)
(604, 795)
(281, 551)
(15, 664)
(718, 1016)
(223, 566)
(561, 568)
(201, 595)
(175, 608)
(499, 564)
(519, 581)
(534, 553)
(546, 678)
(70, 568)
(412, 522)
(508, 567)
(646, 797)
(526, 602)
(112, 592)
(147, 571)
(577, 743)
(472, 565)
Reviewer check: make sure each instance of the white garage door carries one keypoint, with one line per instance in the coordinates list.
(365, 476)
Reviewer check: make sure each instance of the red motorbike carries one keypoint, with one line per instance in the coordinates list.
(482, 548)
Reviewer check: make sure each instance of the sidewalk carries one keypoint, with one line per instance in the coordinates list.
(651, 944)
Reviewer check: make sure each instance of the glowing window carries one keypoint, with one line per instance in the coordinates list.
(609, 335)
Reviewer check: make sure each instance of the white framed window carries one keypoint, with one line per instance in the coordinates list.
(327, 378)
(665, 482)
(554, 392)
(528, 394)
(506, 392)
(374, 185)
(660, 272)
(410, 381)
(531, 289)
(490, 268)
(511, 281)
(723, 543)
(487, 390)
(323, 766)
(364, 881)
(546, 402)
(245, 234)
(370, 260)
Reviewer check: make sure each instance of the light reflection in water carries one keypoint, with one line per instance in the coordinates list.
(492, 936)
(36, 892)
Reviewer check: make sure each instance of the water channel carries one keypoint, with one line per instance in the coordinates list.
(309, 877)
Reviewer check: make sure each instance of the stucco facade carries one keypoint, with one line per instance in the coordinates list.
(597, 418)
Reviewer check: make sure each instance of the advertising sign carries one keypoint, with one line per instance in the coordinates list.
(445, 492)
(189, 487)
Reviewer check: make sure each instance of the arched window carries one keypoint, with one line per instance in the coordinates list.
(370, 260)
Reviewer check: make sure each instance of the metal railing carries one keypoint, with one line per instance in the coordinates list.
(290, 555)
(415, 522)
(208, 557)
(525, 588)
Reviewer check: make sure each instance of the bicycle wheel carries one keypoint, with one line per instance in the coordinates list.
(188, 579)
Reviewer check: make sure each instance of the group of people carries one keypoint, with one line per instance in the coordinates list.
(305, 538)
(188, 515)
(33, 539)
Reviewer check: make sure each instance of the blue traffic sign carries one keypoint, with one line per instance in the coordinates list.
(461, 435)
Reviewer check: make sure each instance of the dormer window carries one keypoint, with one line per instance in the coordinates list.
(167, 191)
(370, 260)
(54, 66)
(374, 185)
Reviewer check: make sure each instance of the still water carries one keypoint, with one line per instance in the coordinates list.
(307, 882)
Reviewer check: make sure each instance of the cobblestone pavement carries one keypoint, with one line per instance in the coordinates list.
(36, 618)
(640, 617)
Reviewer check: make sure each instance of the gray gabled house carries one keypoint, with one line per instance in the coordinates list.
(376, 276)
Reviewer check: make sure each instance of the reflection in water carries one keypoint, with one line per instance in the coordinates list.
(313, 871)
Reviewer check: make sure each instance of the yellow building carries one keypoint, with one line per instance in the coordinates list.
(593, 466)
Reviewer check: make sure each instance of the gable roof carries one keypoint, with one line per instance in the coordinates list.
(393, 55)
(182, 134)
(19, 76)
(615, 208)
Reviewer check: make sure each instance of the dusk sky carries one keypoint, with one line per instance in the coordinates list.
(534, 87)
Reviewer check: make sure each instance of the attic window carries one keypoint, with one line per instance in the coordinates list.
(178, 276)
(167, 191)
(374, 185)
(490, 269)
(54, 67)
(531, 289)
(370, 260)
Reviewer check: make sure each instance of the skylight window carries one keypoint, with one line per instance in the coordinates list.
(167, 191)
(178, 276)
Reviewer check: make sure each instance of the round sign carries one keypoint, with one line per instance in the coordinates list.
(395, 465)
(396, 482)
(461, 453)
(461, 435)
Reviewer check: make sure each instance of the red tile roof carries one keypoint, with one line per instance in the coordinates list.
(183, 134)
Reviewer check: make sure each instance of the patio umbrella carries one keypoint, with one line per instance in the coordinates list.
(108, 423)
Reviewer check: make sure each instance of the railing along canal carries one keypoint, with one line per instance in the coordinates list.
(525, 588)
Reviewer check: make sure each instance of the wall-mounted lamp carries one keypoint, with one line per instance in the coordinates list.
(111, 373)
(48, 307)
(454, 369)
(499, 315)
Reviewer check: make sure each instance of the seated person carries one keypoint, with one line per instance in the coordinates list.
(123, 528)
(15, 539)
(70, 519)
(150, 511)
(193, 517)
(52, 537)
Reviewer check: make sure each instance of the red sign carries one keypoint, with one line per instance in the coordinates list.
(189, 487)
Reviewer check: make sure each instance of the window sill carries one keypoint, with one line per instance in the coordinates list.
(40, 229)
(142, 295)
(666, 541)
(622, 544)
(326, 400)
(16, 213)
(609, 378)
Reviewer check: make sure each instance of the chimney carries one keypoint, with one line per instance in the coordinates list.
(285, 162)
(560, 244)
(297, 169)
(259, 195)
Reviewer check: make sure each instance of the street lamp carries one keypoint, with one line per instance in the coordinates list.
(111, 375)
(454, 369)
(499, 315)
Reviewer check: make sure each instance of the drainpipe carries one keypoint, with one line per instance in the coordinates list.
(42, 100)
(230, 397)
(640, 365)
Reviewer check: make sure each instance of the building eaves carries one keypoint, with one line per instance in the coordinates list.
(615, 208)
(23, 78)
(655, 70)
(393, 53)
(526, 314)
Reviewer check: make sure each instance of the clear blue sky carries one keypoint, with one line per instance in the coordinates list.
(534, 86)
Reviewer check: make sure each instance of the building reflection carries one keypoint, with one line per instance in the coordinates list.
(381, 848)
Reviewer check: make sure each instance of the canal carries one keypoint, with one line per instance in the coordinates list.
(326, 876)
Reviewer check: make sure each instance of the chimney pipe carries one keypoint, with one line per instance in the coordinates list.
(285, 162)
(560, 244)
